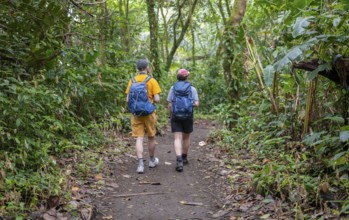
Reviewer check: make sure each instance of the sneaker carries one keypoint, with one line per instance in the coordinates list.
(140, 169)
(185, 161)
(179, 166)
(154, 163)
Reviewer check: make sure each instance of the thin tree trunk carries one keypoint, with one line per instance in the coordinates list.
(153, 27)
(165, 37)
(193, 45)
(309, 107)
(124, 25)
(103, 32)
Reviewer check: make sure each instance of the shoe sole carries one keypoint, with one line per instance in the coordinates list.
(179, 169)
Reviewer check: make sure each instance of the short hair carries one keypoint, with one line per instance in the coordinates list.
(142, 64)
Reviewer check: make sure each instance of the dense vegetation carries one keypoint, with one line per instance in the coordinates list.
(276, 73)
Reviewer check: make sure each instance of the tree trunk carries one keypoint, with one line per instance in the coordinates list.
(309, 107)
(177, 41)
(193, 45)
(103, 33)
(237, 13)
(153, 28)
(124, 25)
(165, 38)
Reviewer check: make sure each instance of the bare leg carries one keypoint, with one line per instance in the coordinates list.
(139, 147)
(151, 146)
(178, 143)
(186, 143)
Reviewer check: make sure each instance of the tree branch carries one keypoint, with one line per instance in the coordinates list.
(311, 65)
(81, 9)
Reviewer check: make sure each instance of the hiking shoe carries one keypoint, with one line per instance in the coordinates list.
(179, 165)
(140, 169)
(153, 163)
(185, 161)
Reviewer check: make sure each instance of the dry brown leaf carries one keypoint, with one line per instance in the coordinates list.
(74, 188)
(99, 176)
(265, 161)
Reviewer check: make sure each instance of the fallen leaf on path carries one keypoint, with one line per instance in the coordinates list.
(265, 161)
(265, 216)
(107, 217)
(99, 176)
(168, 163)
(126, 176)
(86, 213)
(74, 188)
(202, 143)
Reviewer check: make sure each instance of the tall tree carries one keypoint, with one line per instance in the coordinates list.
(179, 22)
(124, 19)
(153, 28)
(237, 13)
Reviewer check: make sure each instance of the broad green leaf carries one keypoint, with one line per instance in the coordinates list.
(290, 56)
(268, 75)
(301, 25)
(281, 63)
(315, 72)
(294, 53)
(336, 21)
(301, 4)
(345, 128)
(344, 136)
(18, 122)
(339, 155)
(345, 208)
(335, 119)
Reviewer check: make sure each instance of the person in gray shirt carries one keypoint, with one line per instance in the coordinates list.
(182, 124)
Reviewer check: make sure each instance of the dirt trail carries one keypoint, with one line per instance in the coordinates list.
(167, 198)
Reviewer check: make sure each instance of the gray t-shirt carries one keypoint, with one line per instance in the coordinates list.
(193, 92)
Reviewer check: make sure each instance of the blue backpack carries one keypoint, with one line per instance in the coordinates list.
(138, 101)
(182, 103)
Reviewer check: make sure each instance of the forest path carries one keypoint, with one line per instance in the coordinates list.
(161, 192)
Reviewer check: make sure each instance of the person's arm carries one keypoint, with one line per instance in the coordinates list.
(156, 98)
(196, 97)
(169, 100)
(169, 109)
(128, 89)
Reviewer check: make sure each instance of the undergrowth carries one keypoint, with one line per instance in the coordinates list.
(307, 172)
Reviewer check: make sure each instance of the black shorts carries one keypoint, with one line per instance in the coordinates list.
(185, 126)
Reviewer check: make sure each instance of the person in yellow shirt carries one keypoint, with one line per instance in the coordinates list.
(142, 124)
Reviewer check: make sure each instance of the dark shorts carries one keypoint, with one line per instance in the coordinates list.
(185, 126)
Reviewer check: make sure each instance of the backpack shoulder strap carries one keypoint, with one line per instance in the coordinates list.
(147, 79)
